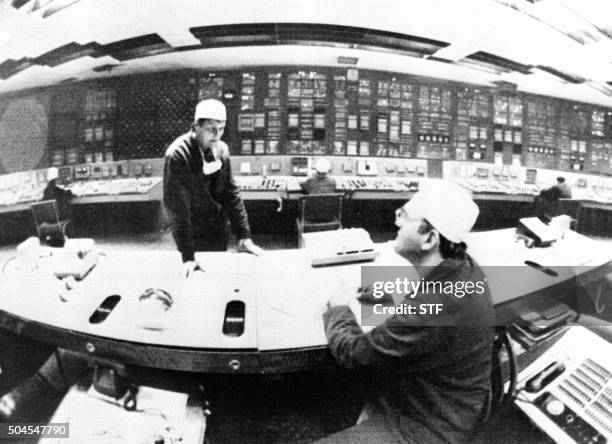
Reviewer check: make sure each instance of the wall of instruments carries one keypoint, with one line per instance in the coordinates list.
(382, 131)
(304, 111)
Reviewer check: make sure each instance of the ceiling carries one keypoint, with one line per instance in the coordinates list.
(560, 48)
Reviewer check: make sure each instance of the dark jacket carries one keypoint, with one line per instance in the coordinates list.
(198, 205)
(319, 184)
(62, 198)
(433, 380)
(558, 191)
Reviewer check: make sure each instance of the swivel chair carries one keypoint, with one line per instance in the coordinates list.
(49, 227)
(319, 212)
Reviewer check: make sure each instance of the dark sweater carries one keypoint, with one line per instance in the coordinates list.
(198, 205)
(433, 379)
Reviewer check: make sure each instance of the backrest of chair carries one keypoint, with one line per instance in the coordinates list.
(321, 207)
(45, 212)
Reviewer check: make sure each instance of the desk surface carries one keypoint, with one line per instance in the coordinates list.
(284, 299)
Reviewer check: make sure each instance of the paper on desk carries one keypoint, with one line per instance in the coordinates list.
(312, 308)
(573, 251)
(171, 404)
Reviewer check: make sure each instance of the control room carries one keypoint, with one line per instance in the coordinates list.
(299, 222)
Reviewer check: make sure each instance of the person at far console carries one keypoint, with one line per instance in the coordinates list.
(428, 375)
(61, 196)
(546, 204)
(561, 190)
(321, 182)
(200, 194)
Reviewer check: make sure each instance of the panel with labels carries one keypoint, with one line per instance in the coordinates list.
(98, 129)
(543, 144)
(395, 118)
(306, 112)
(600, 160)
(579, 117)
(340, 116)
(248, 116)
(434, 122)
(507, 129)
(471, 132)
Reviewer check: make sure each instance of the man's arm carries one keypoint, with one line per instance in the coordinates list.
(306, 186)
(177, 201)
(353, 348)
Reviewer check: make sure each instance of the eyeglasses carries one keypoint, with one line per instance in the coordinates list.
(401, 213)
(214, 129)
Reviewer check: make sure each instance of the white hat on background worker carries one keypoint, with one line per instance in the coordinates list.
(323, 166)
(210, 109)
(447, 206)
(52, 173)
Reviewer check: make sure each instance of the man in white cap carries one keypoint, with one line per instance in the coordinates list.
(200, 194)
(320, 182)
(430, 374)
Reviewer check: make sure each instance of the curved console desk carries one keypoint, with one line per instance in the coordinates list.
(282, 295)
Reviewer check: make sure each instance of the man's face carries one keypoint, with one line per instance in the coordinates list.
(209, 132)
(409, 242)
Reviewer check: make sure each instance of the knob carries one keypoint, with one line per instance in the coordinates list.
(555, 407)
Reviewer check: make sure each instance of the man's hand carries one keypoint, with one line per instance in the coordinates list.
(248, 246)
(340, 299)
(341, 295)
(189, 268)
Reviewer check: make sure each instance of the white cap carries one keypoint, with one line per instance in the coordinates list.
(322, 166)
(210, 109)
(52, 173)
(447, 206)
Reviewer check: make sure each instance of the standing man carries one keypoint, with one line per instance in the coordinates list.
(200, 194)
(429, 375)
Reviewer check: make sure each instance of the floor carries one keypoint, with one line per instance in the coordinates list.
(296, 408)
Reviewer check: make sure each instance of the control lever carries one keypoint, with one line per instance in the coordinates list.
(545, 377)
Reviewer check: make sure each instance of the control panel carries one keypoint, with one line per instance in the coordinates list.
(568, 390)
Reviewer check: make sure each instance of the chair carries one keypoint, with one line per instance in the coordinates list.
(50, 228)
(500, 398)
(573, 208)
(319, 212)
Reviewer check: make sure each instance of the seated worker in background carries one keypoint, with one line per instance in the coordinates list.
(52, 233)
(561, 190)
(54, 192)
(200, 194)
(320, 182)
(545, 205)
(427, 383)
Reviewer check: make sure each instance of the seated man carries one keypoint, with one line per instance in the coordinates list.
(54, 234)
(321, 182)
(546, 203)
(429, 375)
(62, 197)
